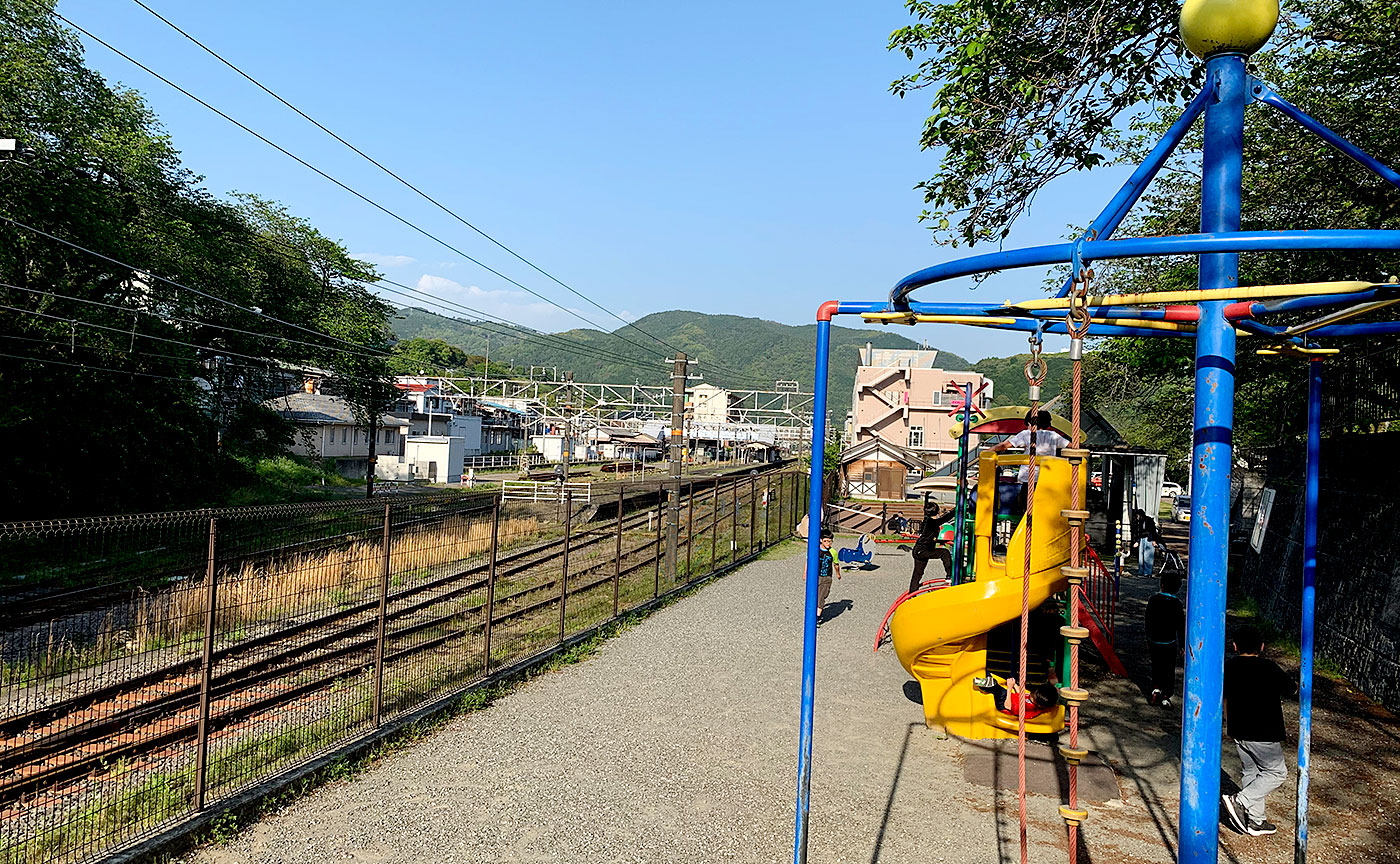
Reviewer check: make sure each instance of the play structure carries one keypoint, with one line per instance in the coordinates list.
(944, 639)
(941, 637)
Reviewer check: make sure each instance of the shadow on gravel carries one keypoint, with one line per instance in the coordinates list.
(894, 785)
(833, 610)
(913, 692)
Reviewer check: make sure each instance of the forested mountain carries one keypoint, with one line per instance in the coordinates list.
(734, 352)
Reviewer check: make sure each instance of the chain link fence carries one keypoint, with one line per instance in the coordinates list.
(154, 666)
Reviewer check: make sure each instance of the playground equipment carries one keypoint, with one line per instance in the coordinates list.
(1214, 315)
(860, 555)
(940, 636)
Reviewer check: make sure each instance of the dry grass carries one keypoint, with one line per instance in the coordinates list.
(317, 581)
(257, 593)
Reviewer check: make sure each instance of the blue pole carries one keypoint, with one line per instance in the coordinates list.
(809, 621)
(1305, 643)
(1107, 221)
(1264, 93)
(1222, 164)
(959, 511)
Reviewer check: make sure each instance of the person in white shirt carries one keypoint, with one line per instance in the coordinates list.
(1048, 442)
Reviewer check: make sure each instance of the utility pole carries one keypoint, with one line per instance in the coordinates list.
(568, 424)
(677, 454)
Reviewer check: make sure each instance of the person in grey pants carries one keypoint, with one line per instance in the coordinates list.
(1254, 692)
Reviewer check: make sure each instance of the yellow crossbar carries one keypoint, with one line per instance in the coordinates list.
(1257, 292)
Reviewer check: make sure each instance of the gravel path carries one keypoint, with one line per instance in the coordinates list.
(677, 742)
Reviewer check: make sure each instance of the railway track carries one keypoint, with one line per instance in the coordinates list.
(73, 739)
(44, 606)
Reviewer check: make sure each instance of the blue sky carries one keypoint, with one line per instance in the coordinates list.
(728, 158)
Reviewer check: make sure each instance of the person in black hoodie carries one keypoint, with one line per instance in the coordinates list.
(1255, 688)
(927, 546)
(1165, 626)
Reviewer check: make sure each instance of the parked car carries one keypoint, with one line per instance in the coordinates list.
(1171, 490)
(1181, 508)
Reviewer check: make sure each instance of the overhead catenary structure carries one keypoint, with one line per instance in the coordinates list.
(1214, 315)
(779, 416)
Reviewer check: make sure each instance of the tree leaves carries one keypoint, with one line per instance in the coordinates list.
(141, 401)
(1024, 92)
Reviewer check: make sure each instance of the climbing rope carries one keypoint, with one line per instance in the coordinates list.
(1077, 324)
(1035, 374)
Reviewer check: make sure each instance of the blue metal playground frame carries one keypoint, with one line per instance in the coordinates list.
(1222, 102)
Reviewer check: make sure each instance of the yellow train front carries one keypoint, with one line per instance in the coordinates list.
(949, 637)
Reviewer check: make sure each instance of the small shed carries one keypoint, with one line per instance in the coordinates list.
(875, 468)
(436, 458)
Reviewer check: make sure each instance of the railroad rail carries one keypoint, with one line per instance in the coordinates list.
(96, 739)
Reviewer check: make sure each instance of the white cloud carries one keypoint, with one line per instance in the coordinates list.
(626, 316)
(379, 260)
(515, 306)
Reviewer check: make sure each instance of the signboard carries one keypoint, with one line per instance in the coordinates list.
(1261, 519)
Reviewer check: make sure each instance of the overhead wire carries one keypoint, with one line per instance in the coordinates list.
(424, 195)
(194, 321)
(375, 204)
(215, 352)
(51, 361)
(533, 334)
(281, 247)
(216, 298)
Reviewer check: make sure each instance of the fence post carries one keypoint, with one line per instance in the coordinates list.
(491, 583)
(378, 702)
(734, 523)
(753, 510)
(782, 496)
(206, 667)
(767, 507)
(564, 580)
(689, 527)
(617, 559)
(714, 526)
(660, 510)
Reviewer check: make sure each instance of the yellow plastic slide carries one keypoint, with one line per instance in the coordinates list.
(941, 636)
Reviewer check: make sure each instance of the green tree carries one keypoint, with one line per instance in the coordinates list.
(1013, 116)
(123, 390)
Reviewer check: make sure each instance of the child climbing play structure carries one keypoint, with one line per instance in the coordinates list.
(1215, 315)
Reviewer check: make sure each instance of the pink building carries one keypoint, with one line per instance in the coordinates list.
(902, 397)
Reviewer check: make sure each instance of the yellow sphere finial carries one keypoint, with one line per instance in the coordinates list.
(1238, 26)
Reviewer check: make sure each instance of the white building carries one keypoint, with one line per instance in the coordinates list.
(709, 404)
(326, 428)
(435, 458)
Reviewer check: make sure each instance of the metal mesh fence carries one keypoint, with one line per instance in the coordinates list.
(152, 666)
(1357, 617)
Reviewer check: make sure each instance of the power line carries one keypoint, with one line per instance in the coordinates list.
(328, 177)
(376, 163)
(195, 321)
(250, 310)
(274, 367)
(51, 361)
(279, 246)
